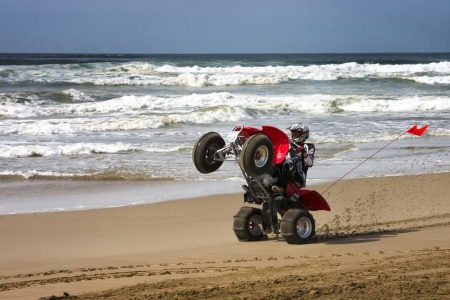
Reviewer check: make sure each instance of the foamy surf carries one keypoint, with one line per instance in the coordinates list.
(72, 149)
(77, 96)
(234, 106)
(144, 73)
(94, 176)
(137, 117)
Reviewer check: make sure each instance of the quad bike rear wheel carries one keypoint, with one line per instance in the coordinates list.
(204, 150)
(256, 155)
(247, 224)
(297, 226)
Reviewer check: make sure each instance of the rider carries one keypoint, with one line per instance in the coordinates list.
(301, 156)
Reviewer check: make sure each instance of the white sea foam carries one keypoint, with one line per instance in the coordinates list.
(338, 138)
(77, 95)
(28, 174)
(19, 105)
(19, 110)
(63, 149)
(141, 73)
(114, 123)
(97, 175)
(431, 79)
(195, 76)
(240, 105)
(135, 68)
(79, 127)
(153, 111)
(381, 134)
(439, 132)
(209, 116)
(55, 149)
(76, 125)
(146, 112)
(165, 148)
(403, 104)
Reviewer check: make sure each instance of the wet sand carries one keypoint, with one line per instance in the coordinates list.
(384, 238)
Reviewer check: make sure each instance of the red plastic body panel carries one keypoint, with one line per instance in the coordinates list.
(248, 131)
(310, 199)
(280, 143)
(279, 140)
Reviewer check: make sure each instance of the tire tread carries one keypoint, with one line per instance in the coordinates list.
(288, 226)
(240, 221)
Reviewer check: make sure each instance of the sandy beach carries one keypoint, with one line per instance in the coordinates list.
(384, 238)
(130, 132)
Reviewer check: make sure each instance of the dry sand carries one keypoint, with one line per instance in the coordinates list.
(384, 238)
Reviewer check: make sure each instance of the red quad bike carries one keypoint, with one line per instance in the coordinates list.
(261, 153)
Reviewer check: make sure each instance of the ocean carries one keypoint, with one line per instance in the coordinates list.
(136, 117)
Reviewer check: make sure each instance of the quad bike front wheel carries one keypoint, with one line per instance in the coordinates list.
(256, 155)
(204, 150)
(297, 226)
(247, 224)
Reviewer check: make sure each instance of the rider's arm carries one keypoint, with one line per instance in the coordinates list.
(308, 154)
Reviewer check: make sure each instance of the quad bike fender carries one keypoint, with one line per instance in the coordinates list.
(310, 199)
(279, 140)
(247, 131)
(280, 143)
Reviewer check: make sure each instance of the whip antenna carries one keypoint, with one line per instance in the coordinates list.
(413, 130)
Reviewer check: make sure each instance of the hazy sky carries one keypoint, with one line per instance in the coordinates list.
(227, 26)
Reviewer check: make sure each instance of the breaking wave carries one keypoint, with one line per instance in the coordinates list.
(369, 137)
(137, 117)
(143, 73)
(227, 102)
(431, 79)
(99, 176)
(77, 96)
(49, 149)
(77, 125)
(151, 112)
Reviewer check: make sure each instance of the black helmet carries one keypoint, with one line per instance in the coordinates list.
(300, 132)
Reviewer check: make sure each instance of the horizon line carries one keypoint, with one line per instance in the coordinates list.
(219, 53)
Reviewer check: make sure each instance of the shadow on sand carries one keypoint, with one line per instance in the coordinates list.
(349, 238)
(358, 238)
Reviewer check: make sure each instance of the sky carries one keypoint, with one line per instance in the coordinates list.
(226, 26)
